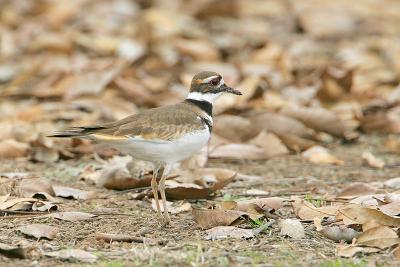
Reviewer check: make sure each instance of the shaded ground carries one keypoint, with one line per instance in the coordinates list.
(184, 243)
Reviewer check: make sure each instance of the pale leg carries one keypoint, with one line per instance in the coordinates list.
(162, 191)
(154, 188)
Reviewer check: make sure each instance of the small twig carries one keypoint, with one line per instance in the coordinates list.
(126, 238)
(22, 212)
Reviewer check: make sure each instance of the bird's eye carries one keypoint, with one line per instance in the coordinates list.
(215, 82)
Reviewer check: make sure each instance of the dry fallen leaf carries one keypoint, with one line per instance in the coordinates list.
(307, 211)
(349, 251)
(356, 189)
(68, 192)
(72, 255)
(72, 216)
(292, 228)
(372, 161)
(173, 209)
(321, 155)
(361, 215)
(381, 237)
(39, 231)
(208, 218)
(238, 151)
(271, 144)
(12, 149)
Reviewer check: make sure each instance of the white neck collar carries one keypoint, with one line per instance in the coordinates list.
(209, 97)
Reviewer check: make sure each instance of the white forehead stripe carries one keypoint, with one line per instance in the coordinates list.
(207, 80)
(221, 82)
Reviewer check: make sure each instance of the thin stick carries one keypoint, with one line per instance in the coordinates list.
(126, 238)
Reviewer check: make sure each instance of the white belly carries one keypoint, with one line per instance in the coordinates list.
(165, 151)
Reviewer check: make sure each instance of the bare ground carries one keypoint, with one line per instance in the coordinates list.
(184, 244)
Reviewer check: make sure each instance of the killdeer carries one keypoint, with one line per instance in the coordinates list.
(163, 135)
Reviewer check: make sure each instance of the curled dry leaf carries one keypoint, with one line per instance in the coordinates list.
(281, 125)
(321, 155)
(39, 231)
(339, 233)
(349, 251)
(259, 205)
(68, 192)
(361, 215)
(292, 228)
(221, 232)
(372, 161)
(208, 218)
(392, 145)
(356, 189)
(220, 177)
(271, 144)
(307, 211)
(238, 151)
(10, 148)
(72, 216)
(318, 119)
(173, 209)
(381, 237)
(234, 128)
(72, 255)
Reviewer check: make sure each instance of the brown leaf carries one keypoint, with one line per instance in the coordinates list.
(172, 207)
(381, 237)
(296, 143)
(318, 119)
(208, 218)
(292, 228)
(234, 128)
(11, 202)
(349, 251)
(356, 189)
(271, 144)
(10, 148)
(307, 211)
(281, 125)
(238, 151)
(361, 215)
(372, 161)
(72, 255)
(72, 216)
(68, 192)
(320, 155)
(259, 205)
(39, 231)
(392, 145)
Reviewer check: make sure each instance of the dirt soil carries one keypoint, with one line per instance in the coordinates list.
(184, 243)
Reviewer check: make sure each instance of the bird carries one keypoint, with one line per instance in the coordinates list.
(164, 135)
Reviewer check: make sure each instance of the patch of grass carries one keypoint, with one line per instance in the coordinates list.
(317, 202)
(344, 263)
(256, 223)
(116, 263)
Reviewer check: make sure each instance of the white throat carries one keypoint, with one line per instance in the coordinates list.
(209, 97)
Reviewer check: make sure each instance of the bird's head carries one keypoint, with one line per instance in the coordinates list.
(208, 86)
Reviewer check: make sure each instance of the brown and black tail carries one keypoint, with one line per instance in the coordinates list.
(77, 132)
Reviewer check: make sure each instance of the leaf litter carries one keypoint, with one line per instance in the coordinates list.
(317, 78)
